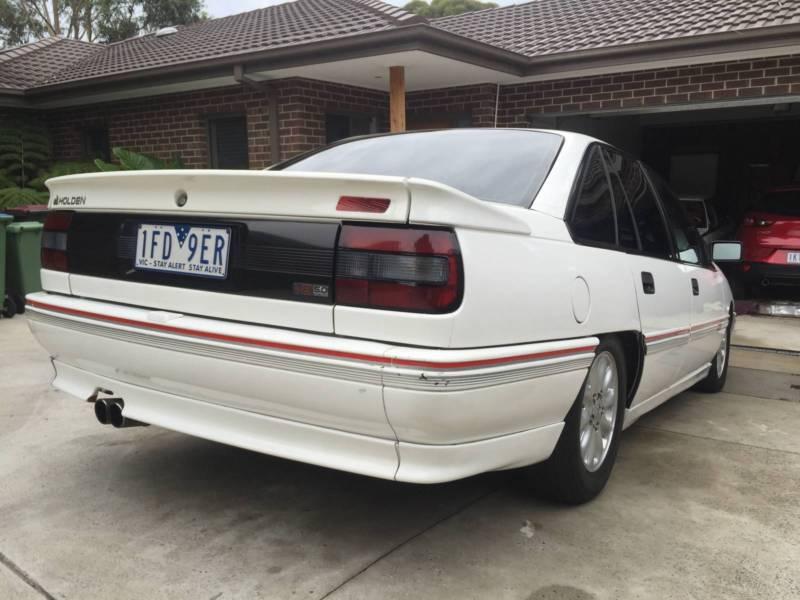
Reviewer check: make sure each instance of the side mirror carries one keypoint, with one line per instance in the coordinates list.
(726, 251)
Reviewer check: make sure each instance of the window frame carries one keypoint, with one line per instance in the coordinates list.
(572, 203)
(350, 115)
(664, 222)
(661, 212)
(638, 250)
(705, 261)
(86, 133)
(577, 187)
(211, 121)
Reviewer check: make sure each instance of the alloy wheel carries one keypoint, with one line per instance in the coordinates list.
(722, 354)
(599, 411)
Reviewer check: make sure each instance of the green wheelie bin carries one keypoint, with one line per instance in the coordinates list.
(23, 261)
(7, 306)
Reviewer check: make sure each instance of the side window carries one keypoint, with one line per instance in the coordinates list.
(228, 142)
(649, 222)
(625, 228)
(593, 215)
(95, 143)
(687, 242)
(341, 126)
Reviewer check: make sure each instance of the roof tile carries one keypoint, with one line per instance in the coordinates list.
(545, 27)
(25, 66)
(532, 29)
(278, 26)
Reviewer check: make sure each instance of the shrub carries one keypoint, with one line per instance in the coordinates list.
(16, 196)
(60, 169)
(134, 161)
(24, 151)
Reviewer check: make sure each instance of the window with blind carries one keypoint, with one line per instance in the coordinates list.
(95, 143)
(227, 137)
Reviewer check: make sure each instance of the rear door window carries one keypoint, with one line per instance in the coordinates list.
(626, 230)
(593, 214)
(687, 243)
(650, 223)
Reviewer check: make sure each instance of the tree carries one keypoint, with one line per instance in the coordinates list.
(24, 152)
(446, 8)
(22, 21)
(116, 20)
(161, 13)
(16, 25)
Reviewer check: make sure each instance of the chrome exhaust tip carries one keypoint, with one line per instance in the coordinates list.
(102, 410)
(117, 419)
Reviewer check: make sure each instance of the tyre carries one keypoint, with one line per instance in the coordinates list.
(715, 380)
(581, 464)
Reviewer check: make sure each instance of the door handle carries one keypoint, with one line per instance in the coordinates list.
(695, 287)
(648, 283)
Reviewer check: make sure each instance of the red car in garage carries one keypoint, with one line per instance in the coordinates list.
(770, 234)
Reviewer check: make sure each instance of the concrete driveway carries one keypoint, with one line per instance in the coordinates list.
(704, 503)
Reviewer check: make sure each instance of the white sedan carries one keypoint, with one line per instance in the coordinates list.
(419, 307)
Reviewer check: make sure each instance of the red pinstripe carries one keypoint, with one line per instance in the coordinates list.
(401, 362)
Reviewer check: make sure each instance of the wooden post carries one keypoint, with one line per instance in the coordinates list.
(397, 99)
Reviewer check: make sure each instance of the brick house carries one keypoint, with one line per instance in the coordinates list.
(686, 83)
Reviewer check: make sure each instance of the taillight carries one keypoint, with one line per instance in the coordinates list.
(398, 268)
(54, 241)
(756, 222)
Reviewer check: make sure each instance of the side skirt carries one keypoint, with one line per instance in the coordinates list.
(635, 412)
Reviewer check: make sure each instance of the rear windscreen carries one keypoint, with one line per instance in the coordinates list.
(507, 166)
(785, 202)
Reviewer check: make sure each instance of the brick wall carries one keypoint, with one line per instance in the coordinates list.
(477, 102)
(165, 125)
(177, 123)
(658, 87)
(304, 104)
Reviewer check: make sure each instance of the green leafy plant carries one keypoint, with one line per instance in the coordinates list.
(446, 8)
(59, 169)
(134, 161)
(24, 151)
(16, 196)
(6, 182)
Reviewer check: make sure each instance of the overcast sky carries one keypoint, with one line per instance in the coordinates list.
(221, 8)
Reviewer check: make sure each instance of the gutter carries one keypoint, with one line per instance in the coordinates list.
(11, 98)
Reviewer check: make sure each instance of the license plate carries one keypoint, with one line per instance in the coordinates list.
(793, 258)
(184, 249)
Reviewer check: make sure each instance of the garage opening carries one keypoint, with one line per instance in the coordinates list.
(724, 162)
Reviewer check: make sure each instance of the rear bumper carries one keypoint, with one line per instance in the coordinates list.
(772, 274)
(410, 414)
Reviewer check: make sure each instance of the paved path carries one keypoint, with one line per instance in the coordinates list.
(758, 331)
(704, 503)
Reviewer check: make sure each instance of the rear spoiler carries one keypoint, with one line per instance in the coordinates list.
(279, 194)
